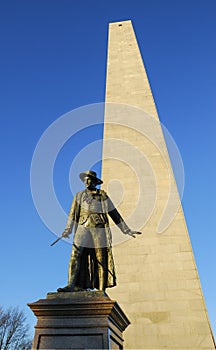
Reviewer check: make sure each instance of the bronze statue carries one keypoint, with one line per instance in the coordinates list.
(91, 264)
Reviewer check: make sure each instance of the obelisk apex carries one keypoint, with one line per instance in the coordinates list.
(127, 81)
(158, 284)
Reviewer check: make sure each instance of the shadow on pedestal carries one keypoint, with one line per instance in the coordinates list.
(78, 320)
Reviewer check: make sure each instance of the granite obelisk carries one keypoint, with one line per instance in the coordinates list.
(158, 283)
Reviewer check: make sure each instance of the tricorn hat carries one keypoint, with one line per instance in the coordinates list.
(91, 174)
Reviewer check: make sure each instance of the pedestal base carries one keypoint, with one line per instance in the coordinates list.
(78, 320)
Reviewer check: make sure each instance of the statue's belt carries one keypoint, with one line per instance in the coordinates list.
(95, 218)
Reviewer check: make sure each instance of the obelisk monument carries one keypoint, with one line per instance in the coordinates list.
(158, 284)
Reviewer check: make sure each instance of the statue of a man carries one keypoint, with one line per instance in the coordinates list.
(91, 263)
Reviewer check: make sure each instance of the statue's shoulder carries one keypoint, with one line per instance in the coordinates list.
(103, 193)
(78, 195)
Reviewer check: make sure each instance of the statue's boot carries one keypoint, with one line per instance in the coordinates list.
(65, 289)
(102, 268)
(73, 271)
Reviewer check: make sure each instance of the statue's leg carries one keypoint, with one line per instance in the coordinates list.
(101, 256)
(80, 242)
(75, 259)
(73, 270)
(74, 265)
(99, 238)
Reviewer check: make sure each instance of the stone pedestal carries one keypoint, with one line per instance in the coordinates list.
(78, 320)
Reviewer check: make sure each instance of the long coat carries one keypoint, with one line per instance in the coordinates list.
(88, 266)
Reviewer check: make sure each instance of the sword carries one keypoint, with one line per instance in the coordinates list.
(58, 239)
(62, 236)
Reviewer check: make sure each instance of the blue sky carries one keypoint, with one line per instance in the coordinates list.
(53, 60)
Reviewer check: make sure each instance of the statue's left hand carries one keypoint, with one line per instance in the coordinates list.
(134, 233)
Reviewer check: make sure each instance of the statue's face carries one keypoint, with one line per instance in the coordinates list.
(89, 183)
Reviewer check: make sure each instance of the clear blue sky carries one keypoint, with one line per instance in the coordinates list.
(53, 59)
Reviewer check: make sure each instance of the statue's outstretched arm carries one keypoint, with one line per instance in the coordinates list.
(119, 221)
